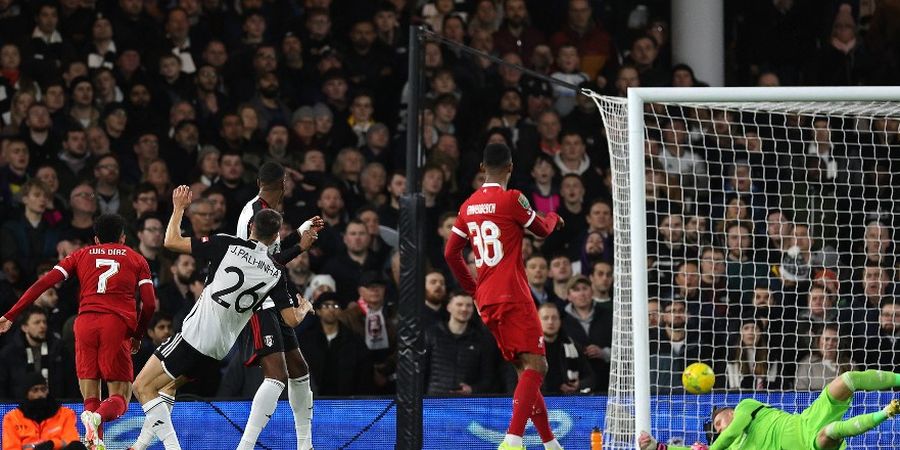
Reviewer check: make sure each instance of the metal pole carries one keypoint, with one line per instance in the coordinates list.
(412, 271)
(413, 143)
(638, 221)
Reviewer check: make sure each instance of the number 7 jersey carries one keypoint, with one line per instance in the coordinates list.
(494, 220)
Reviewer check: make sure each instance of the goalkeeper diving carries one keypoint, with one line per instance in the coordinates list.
(756, 426)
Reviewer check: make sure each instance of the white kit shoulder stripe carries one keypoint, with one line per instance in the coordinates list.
(459, 232)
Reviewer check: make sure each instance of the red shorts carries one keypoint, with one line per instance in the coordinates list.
(102, 348)
(516, 328)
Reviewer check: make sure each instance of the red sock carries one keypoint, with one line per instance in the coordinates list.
(527, 390)
(112, 408)
(539, 419)
(91, 403)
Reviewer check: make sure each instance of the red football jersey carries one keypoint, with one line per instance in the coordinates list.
(494, 221)
(110, 275)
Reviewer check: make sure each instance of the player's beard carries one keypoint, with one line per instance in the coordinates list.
(40, 409)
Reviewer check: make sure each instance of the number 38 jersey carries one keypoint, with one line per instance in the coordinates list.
(240, 276)
(494, 220)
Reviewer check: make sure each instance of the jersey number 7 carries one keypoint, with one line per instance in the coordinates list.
(105, 276)
(486, 241)
(238, 305)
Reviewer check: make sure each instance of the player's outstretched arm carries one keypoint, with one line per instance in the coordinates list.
(42, 284)
(181, 198)
(543, 226)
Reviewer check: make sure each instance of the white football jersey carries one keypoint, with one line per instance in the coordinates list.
(241, 274)
(243, 231)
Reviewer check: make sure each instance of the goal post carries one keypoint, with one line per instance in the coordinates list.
(812, 191)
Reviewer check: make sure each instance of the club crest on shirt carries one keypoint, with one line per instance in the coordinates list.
(269, 340)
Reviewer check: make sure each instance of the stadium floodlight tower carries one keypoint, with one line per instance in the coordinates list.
(694, 170)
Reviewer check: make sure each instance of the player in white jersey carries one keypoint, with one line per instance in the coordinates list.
(241, 275)
(267, 339)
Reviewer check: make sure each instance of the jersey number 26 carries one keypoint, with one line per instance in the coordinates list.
(486, 241)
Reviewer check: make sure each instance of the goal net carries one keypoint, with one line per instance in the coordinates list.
(754, 232)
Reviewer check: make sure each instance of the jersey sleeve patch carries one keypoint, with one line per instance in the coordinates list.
(523, 201)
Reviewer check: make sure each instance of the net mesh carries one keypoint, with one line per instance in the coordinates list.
(771, 255)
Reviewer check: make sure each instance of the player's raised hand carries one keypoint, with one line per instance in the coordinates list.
(5, 325)
(182, 197)
(315, 223)
(304, 306)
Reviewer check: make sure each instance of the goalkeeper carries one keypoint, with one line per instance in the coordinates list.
(755, 426)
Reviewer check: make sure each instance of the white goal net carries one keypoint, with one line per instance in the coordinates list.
(770, 255)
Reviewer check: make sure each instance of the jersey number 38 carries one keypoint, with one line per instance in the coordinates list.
(486, 241)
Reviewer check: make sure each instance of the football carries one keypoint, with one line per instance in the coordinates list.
(698, 378)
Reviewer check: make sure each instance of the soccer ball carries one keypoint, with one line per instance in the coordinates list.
(698, 378)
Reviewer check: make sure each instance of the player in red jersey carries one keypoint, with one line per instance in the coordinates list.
(494, 220)
(107, 329)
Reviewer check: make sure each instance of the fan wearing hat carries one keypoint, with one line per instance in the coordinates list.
(337, 357)
(40, 422)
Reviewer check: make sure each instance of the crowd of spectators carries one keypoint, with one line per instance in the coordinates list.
(108, 105)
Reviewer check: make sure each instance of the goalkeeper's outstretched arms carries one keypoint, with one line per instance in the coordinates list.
(729, 424)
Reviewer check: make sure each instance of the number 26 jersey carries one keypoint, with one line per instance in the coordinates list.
(240, 276)
(494, 220)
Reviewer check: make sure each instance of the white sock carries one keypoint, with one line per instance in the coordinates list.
(513, 440)
(300, 397)
(552, 445)
(145, 439)
(264, 403)
(160, 420)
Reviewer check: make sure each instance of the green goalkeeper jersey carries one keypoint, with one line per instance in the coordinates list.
(773, 429)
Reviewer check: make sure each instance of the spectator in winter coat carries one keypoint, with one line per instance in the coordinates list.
(459, 355)
(338, 359)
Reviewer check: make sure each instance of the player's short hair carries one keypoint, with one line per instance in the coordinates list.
(270, 173)
(267, 223)
(109, 228)
(496, 156)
